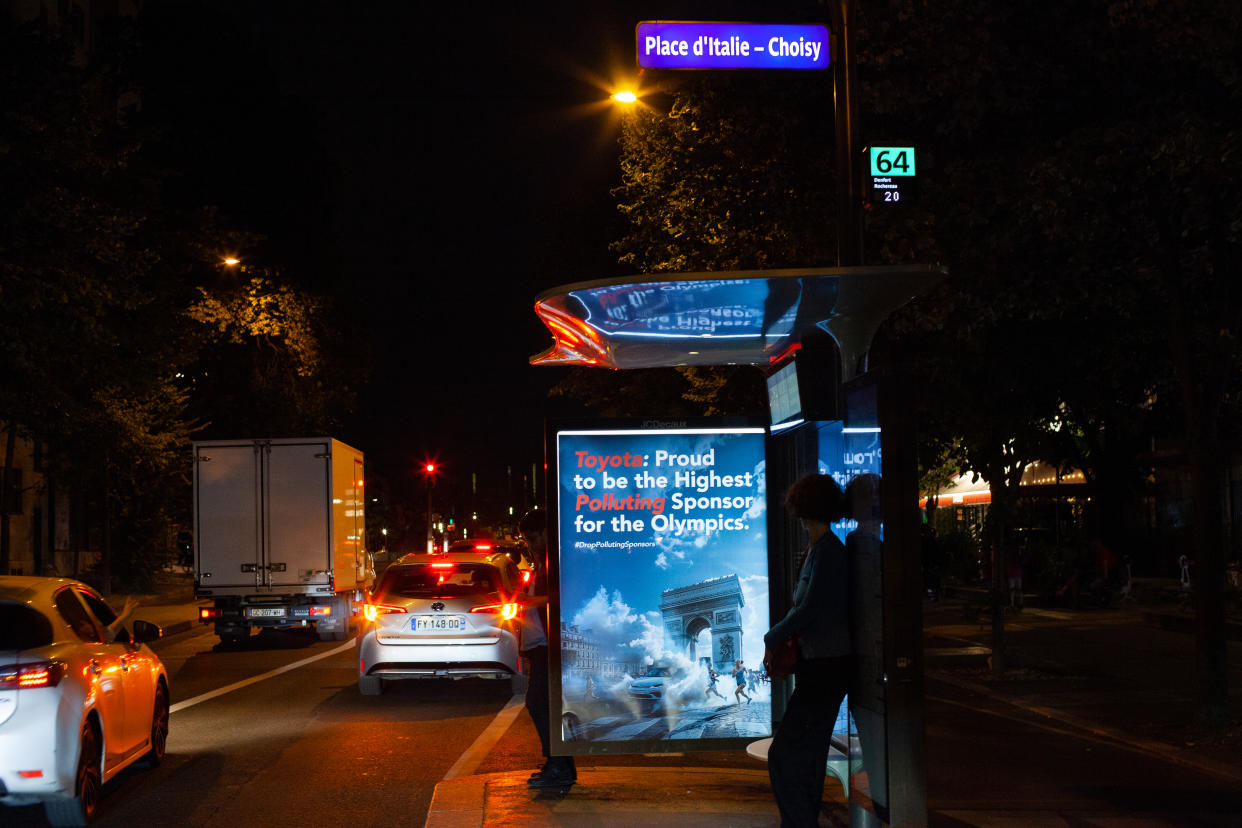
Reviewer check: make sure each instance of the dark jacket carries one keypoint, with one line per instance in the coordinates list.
(820, 614)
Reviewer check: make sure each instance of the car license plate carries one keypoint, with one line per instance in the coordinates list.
(265, 612)
(439, 623)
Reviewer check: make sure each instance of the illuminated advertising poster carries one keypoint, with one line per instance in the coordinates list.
(662, 565)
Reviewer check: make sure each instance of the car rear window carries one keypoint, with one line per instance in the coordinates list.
(23, 627)
(431, 580)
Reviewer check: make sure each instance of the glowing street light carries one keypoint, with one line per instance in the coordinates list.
(230, 261)
(625, 96)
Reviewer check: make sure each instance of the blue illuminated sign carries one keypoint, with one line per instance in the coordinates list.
(681, 44)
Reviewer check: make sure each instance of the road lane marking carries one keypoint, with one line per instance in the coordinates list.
(182, 705)
(469, 761)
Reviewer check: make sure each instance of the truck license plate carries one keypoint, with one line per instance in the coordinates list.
(439, 623)
(265, 612)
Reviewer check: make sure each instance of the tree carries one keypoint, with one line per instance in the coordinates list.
(1109, 219)
(89, 345)
(266, 367)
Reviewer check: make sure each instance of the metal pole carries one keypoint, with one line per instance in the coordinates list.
(430, 536)
(845, 109)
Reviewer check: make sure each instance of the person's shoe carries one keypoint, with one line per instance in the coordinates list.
(553, 779)
(547, 766)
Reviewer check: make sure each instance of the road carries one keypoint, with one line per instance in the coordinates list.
(300, 747)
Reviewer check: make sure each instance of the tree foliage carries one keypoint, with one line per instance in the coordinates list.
(728, 175)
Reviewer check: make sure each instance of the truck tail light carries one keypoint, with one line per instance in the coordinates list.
(31, 674)
(320, 611)
(209, 613)
(373, 611)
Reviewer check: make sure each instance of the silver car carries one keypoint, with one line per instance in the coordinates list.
(81, 696)
(454, 615)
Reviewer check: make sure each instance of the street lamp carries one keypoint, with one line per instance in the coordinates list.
(230, 261)
(625, 96)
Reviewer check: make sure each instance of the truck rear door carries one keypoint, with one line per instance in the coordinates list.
(298, 528)
(227, 514)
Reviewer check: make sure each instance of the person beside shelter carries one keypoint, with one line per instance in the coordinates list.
(557, 771)
(819, 622)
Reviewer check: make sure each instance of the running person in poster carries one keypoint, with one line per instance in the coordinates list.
(739, 675)
(712, 677)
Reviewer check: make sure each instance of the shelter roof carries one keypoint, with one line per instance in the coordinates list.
(724, 318)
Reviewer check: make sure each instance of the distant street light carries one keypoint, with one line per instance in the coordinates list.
(625, 96)
(231, 262)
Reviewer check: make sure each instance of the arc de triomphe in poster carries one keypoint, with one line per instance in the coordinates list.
(716, 603)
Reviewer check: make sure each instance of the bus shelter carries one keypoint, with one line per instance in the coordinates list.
(681, 508)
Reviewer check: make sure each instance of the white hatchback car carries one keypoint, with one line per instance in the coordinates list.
(454, 615)
(81, 698)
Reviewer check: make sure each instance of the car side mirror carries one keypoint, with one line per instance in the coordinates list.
(145, 631)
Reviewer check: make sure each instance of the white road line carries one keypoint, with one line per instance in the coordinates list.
(469, 761)
(182, 705)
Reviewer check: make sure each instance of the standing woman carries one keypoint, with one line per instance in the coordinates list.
(819, 622)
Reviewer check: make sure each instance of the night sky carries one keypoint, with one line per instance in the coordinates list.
(430, 168)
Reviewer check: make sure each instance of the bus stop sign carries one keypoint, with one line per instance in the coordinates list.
(892, 178)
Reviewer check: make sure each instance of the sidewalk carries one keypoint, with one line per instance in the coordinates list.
(1089, 727)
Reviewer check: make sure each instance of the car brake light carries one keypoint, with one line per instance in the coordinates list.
(482, 546)
(442, 566)
(373, 611)
(35, 774)
(32, 674)
(505, 611)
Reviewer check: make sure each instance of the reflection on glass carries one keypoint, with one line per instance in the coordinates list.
(850, 452)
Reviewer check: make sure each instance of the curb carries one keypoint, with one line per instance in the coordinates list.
(661, 796)
(177, 628)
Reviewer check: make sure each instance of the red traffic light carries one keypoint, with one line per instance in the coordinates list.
(430, 468)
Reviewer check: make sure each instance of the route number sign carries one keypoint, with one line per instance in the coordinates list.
(892, 178)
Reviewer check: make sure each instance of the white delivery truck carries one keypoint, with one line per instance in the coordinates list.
(279, 535)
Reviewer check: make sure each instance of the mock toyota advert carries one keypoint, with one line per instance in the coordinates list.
(663, 578)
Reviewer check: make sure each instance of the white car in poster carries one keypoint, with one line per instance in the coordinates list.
(648, 690)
